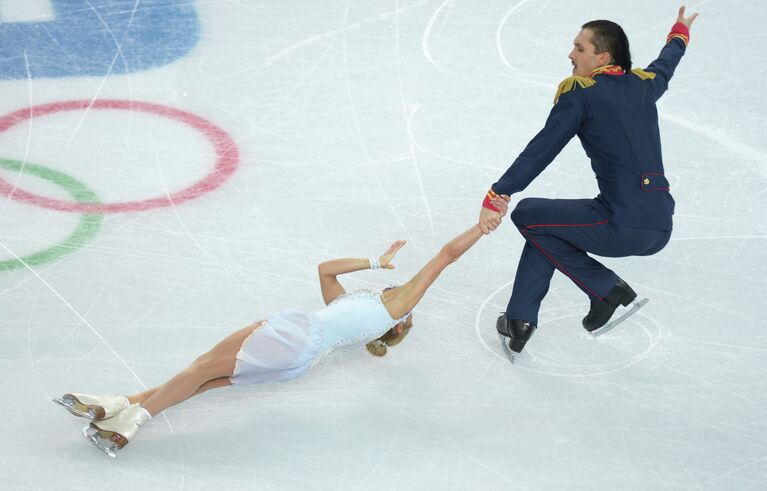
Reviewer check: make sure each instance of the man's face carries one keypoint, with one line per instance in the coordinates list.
(582, 56)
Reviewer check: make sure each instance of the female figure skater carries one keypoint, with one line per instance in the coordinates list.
(281, 347)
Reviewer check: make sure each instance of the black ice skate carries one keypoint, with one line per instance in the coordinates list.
(596, 321)
(518, 332)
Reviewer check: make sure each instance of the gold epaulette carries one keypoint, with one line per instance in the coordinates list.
(643, 74)
(570, 83)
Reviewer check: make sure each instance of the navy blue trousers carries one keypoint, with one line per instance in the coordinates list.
(558, 235)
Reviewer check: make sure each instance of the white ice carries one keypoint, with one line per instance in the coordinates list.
(359, 123)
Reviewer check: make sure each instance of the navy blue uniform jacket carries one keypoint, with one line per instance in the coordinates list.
(615, 118)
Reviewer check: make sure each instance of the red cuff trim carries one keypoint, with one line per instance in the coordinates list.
(679, 31)
(488, 197)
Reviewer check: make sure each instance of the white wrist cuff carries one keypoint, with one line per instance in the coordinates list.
(374, 263)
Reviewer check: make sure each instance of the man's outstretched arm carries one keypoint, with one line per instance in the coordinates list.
(676, 44)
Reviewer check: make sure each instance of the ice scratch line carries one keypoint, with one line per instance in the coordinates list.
(748, 152)
(15, 470)
(681, 464)
(479, 313)
(74, 311)
(197, 244)
(244, 135)
(425, 150)
(351, 27)
(409, 119)
(130, 326)
(707, 305)
(269, 61)
(382, 456)
(118, 54)
(101, 238)
(500, 28)
(411, 140)
(669, 21)
(636, 359)
(724, 345)
(500, 47)
(427, 34)
(659, 406)
(29, 135)
(403, 410)
(278, 103)
(748, 464)
(712, 384)
(367, 153)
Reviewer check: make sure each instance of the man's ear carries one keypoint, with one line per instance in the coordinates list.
(398, 328)
(604, 58)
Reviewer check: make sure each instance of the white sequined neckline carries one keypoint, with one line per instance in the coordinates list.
(375, 296)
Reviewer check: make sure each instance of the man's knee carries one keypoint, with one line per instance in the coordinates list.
(521, 215)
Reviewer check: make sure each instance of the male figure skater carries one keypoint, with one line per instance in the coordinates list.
(612, 110)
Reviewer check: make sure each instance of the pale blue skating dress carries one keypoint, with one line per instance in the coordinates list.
(290, 342)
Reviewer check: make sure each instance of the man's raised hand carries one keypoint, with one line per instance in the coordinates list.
(687, 21)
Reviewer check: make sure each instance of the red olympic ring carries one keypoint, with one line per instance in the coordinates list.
(227, 156)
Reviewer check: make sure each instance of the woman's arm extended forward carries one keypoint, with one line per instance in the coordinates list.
(402, 300)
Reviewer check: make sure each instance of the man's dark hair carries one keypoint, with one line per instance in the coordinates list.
(609, 37)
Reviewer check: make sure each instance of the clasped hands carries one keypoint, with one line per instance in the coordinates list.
(489, 219)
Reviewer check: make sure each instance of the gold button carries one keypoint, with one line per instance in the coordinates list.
(646, 181)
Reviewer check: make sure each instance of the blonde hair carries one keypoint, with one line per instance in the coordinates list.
(379, 346)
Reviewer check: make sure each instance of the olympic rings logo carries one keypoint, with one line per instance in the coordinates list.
(86, 200)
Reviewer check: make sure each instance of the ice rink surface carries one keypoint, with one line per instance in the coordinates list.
(186, 166)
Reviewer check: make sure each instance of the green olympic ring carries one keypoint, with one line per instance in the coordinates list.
(89, 224)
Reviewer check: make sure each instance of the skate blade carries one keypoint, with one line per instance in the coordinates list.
(610, 325)
(74, 407)
(506, 349)
(105, 445)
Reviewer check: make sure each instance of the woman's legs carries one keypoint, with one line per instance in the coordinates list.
(209, 371)
(210, 384)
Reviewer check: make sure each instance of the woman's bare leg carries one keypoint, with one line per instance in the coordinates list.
(142, 396)
(216, 364)
(210, 384)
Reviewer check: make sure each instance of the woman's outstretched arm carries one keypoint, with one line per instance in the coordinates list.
(403, 299)
(329, 270)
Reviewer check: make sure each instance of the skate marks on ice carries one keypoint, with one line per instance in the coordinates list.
(561, 347)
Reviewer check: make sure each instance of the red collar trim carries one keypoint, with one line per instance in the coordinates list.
(607, 70)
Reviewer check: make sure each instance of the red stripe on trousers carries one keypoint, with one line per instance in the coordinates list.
(559, 266)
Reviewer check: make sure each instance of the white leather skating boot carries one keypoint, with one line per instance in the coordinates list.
(111, 435)
(93, 407)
